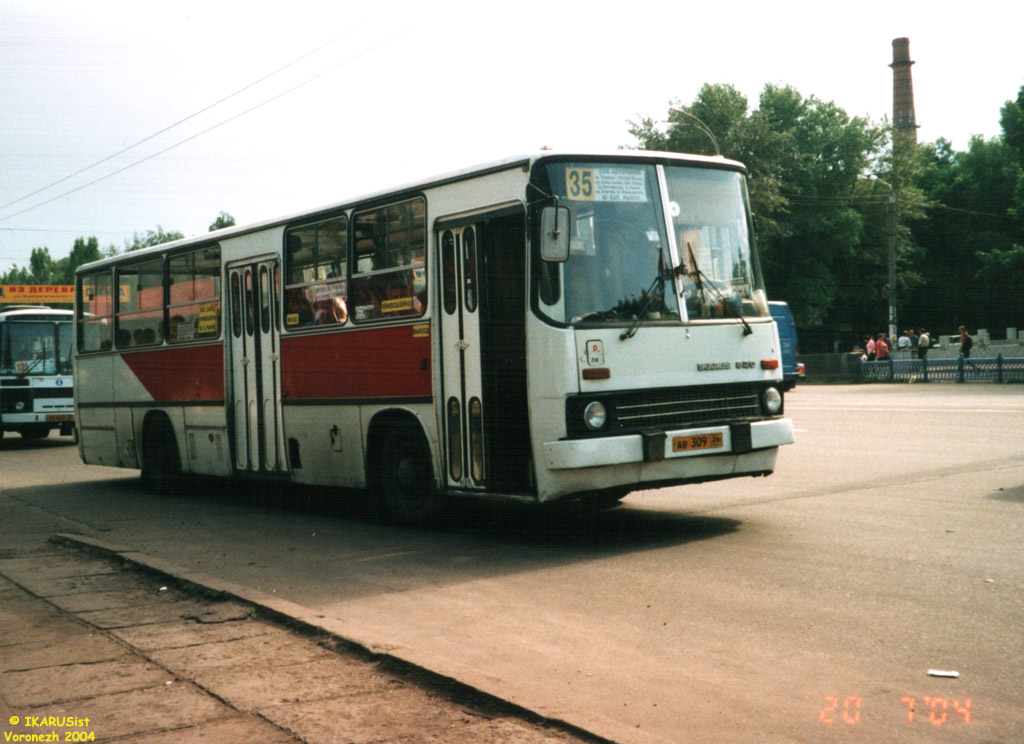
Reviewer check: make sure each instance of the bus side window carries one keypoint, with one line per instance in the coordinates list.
(95, 309)
(193, 295)
(390, 277)
(316, 266)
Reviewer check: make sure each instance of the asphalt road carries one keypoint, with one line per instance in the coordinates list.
(809, 606)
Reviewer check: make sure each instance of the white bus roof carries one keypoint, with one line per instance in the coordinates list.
(528, 159)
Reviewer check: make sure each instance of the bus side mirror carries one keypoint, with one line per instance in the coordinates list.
(554, 234)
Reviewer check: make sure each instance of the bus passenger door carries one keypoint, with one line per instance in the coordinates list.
(463, 412)
(255, 364)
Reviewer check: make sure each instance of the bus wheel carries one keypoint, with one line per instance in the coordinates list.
(598, 500)
(406, 479)
(160, 464)
(35, 432)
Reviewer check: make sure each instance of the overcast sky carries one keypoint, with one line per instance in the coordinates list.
(393, 91)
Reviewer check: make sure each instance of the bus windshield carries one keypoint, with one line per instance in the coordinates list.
(618, 266)
(710, 221)
(35, 348)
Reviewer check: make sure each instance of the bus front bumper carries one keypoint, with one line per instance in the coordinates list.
(666, 446)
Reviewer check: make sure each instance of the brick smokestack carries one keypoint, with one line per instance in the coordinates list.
(903, 117)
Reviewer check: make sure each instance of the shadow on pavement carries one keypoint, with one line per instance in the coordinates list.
(221, 526)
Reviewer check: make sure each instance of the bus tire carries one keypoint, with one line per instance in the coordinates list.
(34, 432)
(601, 500)
(161, 466)
(406, 479)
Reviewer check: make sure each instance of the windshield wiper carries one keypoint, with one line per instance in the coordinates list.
(649, 295)
(700, 277)
(29, 368)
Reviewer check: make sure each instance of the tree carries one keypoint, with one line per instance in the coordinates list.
(150, 238)
(84, 250)
(42, 266)
(223, 220)
(969, 236)
(17, 275)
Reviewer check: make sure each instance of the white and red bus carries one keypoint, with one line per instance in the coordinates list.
(541, 328)
(35, 370)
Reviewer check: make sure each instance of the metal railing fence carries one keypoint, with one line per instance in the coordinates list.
(998, 369)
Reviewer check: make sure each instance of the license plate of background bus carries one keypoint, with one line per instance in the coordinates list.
(697, 442)
(60, 417)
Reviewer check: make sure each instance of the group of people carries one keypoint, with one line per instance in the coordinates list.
(879, 348)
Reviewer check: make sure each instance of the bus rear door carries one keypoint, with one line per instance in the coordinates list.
(255, 364)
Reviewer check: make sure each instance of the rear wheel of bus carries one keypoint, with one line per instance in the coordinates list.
(405, 478)
(161, 466)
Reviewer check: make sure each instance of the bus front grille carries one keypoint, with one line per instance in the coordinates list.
(668, 408)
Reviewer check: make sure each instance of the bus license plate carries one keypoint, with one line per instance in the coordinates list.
(60, 417)
(697, 442)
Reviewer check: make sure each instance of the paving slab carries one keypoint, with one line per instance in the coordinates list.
(46, 685)
(182, 633)
(60, 646)
(153, 709)
(127, 656)
(37, 572)
(105, 600)
(159, 611)
(241, 655)
(243, 729)
(124, 580)
(325, 677)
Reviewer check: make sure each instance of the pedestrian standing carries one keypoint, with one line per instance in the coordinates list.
(923, 342)
(881, 348)
(966, 343)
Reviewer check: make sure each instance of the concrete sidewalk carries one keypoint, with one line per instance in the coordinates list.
(97, 646)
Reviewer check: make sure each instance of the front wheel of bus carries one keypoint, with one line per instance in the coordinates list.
(406, 479)
(34, 432)
(161, 466)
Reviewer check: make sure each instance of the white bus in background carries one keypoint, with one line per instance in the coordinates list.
(36, 391)
(547, 327)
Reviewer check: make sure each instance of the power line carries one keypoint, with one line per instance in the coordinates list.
(180, 121)
(944, 208)
(61, 230)
(198, 134)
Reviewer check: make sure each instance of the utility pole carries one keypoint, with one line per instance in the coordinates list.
(892, 253)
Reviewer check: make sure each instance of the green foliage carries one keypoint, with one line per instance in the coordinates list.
(968, 238)
(43, 269)
(151, 238)
(223, 220)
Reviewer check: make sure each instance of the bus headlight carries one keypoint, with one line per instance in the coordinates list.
(772, 400)
(595, 415)
(19, 406)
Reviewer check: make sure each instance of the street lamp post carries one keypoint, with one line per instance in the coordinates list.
(892, 252)
(701, 126)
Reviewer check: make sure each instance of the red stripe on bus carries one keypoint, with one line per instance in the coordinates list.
(377, 363)
(180, 374)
